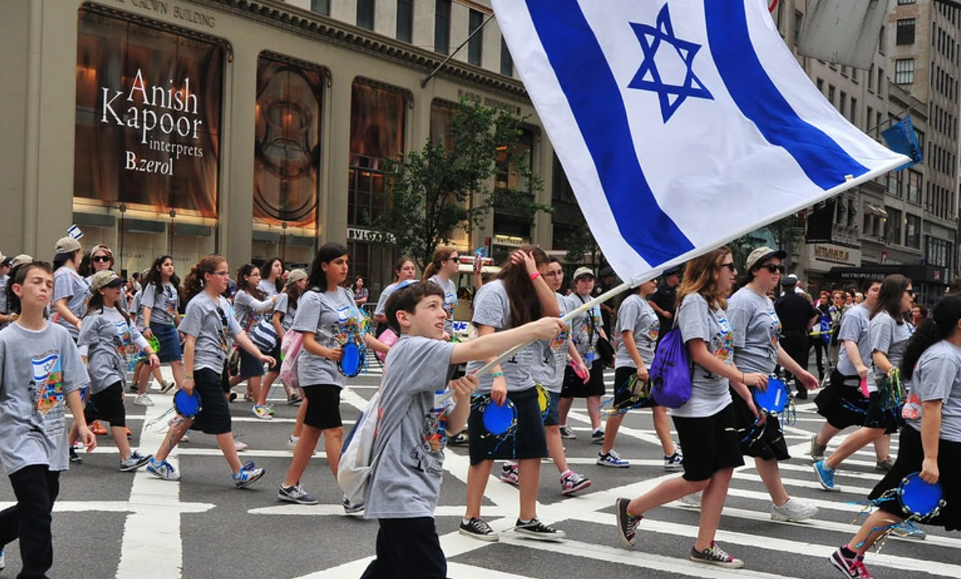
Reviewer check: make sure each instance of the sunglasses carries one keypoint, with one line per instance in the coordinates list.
(774, 268)
(101, 258)
(453, 258)
(910, 292)
(729, 266)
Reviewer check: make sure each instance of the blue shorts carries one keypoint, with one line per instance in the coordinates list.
(553, 417)
(169, 342)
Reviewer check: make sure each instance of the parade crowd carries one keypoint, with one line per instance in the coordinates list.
(728, 333)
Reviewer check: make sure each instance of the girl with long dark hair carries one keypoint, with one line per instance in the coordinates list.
(207, 324)
(520, 294)
(250, 303)
(930, 442)
(705, 423)
(272, 284)
(323, 313)
(888, 332)
(160, 300)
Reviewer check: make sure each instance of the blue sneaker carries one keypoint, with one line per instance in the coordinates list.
(162, 469)
(612, 460)
(3, 560)
(825, 476)
(909, 530)
(247, 475)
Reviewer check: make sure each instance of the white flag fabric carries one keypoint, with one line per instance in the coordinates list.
(681, 124)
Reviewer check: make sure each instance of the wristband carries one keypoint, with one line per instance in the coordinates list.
(497, 374)
(188, 376)
(535, 275)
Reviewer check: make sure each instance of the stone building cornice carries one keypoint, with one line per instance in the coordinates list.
(322, 28)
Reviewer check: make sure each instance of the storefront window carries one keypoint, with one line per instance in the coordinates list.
(286, 160)
(147, 156)
(377, 122)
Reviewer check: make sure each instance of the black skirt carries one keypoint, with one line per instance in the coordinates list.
(769, 444)
(842, 405)
(910, 458)
(528, 440)
(574, 386)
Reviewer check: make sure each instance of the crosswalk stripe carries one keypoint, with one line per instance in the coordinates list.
(774, 544)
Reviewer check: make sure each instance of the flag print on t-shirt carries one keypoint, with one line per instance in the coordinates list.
(48, 380)
(775, 328)
(724, 341)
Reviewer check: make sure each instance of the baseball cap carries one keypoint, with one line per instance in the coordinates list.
(106, 278)
(296, 275)
(20, 260)
(582, 271)
(606, 272)
(789, 280)
(67, 245)
(762, 254)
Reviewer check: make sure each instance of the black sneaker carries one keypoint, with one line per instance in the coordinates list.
(166, 387)
(459, 439)
(597, 437)
(478, 529)
(535, 529)
(74, 457)
(626, 523)
(715, 556)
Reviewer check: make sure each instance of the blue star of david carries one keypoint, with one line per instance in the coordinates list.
(649, 78)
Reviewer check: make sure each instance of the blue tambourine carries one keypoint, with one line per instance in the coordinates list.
(775, 399)
(918, 498)
(499, 420)
(352, 361)
(187, 405)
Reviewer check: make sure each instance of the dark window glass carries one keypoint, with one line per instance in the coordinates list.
(475, 47)
(442, 26)
(405, 20)
(365, 14)
(507, 62)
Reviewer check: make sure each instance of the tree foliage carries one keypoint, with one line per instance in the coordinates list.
(447, 186)
(785, 233)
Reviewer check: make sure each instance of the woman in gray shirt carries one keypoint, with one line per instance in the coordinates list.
(705, 423)
(931, 440)
(70, 290)
(757, 331)
(250, 304)
(889, 333)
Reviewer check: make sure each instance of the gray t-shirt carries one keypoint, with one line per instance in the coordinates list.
(585, 328)
(937, 376)
(757, 330)
(288, 311)
(37, 370)
(69, 284)
(212, 322)
(406, 482)
(854, 328)
(638, 317)
(450, 301)
(381, 309)
(330, 316)
(890, 338)
(110, 342)
(268, 287)
(249, 309)
(492, 308)
(550, 356)
(709, 393)
(163, 305)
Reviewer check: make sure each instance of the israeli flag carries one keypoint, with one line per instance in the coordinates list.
(681, 124)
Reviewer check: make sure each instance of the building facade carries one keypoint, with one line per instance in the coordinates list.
(907, 220)
(247, 128)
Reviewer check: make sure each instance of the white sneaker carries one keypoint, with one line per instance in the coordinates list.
(794, 510)
(143, 400)
(240, 446)
(692, 500)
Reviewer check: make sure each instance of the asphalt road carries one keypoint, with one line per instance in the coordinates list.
(113, 524)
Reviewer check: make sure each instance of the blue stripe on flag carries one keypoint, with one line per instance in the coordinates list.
(595, 99)
(824, 161)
